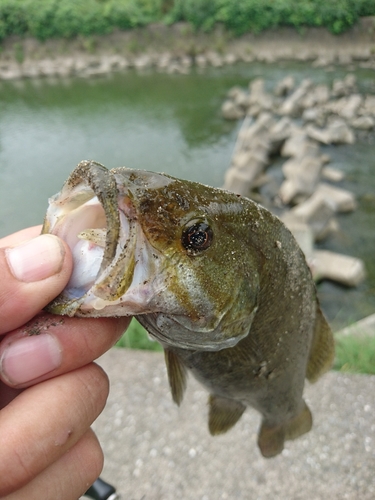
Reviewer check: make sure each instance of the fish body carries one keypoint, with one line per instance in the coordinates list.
(217, 279)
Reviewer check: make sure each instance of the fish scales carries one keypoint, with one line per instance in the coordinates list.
(217, 279)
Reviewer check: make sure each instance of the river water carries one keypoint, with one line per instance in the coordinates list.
(167, 123)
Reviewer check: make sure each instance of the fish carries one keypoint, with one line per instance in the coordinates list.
(215, 278)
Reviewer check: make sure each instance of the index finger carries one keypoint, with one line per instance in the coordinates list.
(51, 345)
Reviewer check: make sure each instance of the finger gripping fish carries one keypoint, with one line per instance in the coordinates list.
(218, 280)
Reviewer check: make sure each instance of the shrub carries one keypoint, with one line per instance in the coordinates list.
(132, 13)
(242, 16)
(13, 18)
(45, 19)
(67, 18)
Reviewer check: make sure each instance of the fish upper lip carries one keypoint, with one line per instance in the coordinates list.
(103, 185)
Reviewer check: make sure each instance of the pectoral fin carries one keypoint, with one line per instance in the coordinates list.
(177, 375)
(223, 414)
(322, 349)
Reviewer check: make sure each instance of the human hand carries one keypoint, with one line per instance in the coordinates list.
(50, 390)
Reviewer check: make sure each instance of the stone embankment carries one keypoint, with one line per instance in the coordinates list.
(177, 49)
(293, 122)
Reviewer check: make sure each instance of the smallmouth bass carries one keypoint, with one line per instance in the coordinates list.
(217, 279)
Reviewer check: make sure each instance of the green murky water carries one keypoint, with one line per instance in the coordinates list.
(168, 123)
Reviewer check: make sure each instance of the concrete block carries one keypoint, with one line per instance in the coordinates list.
(332, 174)
(351, 107)
(337, 132)
(237, 182)
(288, 191)
(279, 133)
(299, 144)
(363, 123)
(302, 177)
(348, 271)
(340, 199)
(293, 104)
(284, 86)
(302, 233)
(317, 213)
(231, 111)
(340, 133)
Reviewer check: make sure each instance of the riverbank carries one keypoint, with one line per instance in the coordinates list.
(177, 49)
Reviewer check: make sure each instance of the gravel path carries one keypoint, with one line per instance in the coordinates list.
(157, 451)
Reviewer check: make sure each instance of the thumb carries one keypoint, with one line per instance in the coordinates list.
(31, 275)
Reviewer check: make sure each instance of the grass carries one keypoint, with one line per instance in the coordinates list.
(136, 337)
(355, 354)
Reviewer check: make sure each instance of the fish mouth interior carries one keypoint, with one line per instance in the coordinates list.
(83, 225)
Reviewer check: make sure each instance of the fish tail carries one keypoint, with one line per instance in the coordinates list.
(300, 424)
(271, 437)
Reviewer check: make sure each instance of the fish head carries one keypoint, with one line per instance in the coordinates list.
(168, 251)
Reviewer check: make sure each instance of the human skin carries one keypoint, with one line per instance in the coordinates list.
(50, 389)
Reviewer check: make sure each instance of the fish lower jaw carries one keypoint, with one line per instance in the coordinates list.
(170, 332)
(189, 345)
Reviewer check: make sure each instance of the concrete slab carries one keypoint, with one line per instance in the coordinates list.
(157, 451)
(365, 328)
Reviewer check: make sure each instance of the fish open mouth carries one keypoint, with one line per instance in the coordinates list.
(101, 236)
(87, 239)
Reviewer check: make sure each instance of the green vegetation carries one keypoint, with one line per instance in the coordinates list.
(45, 19)
(355, 354)
(136, 337)
(244, 16)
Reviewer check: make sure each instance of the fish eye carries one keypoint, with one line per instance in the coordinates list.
(197, 237)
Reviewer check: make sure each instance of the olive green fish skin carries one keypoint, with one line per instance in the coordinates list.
(233, 301)
(267, 368)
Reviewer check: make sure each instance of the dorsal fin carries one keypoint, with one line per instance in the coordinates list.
(223, 414)
(322, 351)
(176, 375)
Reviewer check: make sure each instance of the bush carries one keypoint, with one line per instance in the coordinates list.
(45, 19)
(68, 18)
(201, 14)
(242, 16)
(13, 18)
(127, 14)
